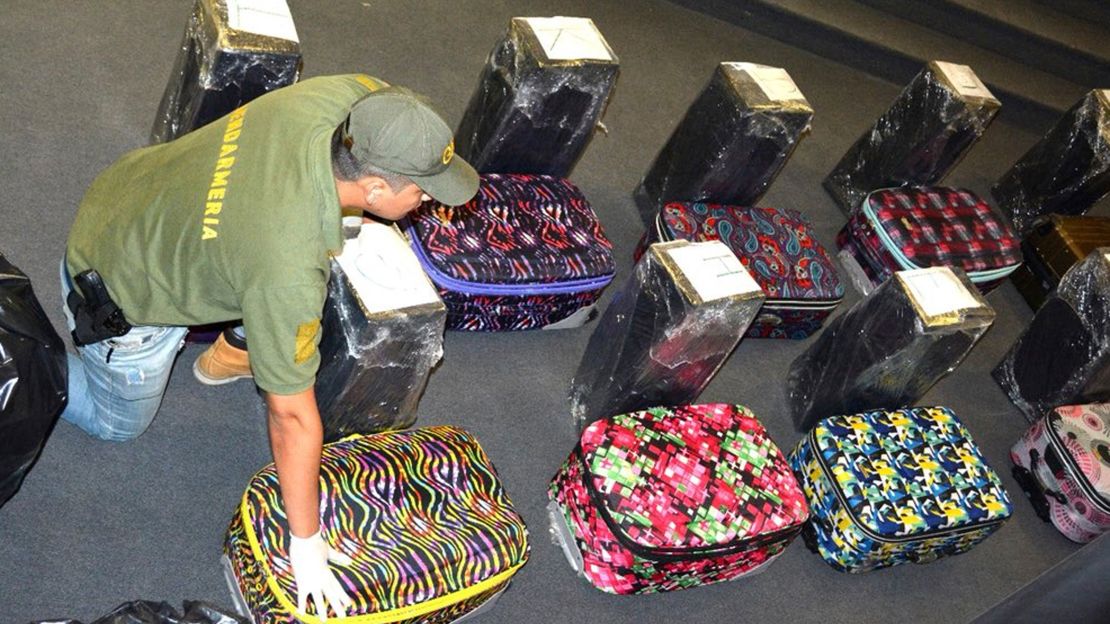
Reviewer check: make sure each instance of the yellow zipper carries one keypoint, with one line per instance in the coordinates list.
(394, 615)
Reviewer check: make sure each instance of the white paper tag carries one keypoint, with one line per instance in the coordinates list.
(569, 38)
(713, 270)
(270, 18)
(384, 271)
(938, 291)
(965, 80)
(775, 82)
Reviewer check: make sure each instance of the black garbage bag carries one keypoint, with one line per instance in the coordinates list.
(146, 612)
(32, 377)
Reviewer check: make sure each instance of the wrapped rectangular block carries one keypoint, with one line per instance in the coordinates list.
(539, 98)
(233, 51)
(1063, 464)
(382, 334)
(915, 227)
(927, 130)
(1053, 245)
(732, 143)
(1067, 171)
(667, 332)
(667, 499)
(422, 515)
(892, 487)
(1063, 358)
(890, 348)
(33, 378)
(527, 252)
(776, 247)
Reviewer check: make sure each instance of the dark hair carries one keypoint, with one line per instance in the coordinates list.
(346, 167)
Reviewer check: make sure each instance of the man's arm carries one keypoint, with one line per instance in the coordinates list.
(296, 438)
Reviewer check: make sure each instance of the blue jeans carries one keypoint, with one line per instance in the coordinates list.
(116, 385)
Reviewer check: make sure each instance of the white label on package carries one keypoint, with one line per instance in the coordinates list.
(713, 270)
(938, 291)
(965, 80)
(384, 271)
(270, 18)
(775, 83)
(569, 38)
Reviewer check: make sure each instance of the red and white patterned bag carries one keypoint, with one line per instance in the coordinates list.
(672, 498)
(908, 228)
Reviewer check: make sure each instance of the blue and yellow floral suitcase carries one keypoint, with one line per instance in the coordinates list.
(431, 535)
(898, 486)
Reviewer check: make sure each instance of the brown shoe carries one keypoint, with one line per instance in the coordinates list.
(222, 363)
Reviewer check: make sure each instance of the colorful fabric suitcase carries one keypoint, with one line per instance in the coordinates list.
(1063, 464)
(526, 252)
(421, 513)
(776, 247)
(672, 498)
(916, 227)
(891, 487)
(1055, 244)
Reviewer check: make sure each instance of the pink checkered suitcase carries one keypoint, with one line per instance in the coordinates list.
(905, 228)
(672, 498)
(1063, 464)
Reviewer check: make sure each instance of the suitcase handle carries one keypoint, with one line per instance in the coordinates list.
(1034, 490)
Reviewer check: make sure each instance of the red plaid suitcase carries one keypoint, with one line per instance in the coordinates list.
(917, 227)
(672, 498)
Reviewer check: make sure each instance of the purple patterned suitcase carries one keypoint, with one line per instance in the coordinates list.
(527, 252)
(909, 228)
(776, 247)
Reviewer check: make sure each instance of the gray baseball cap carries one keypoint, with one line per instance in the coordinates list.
(393, 129)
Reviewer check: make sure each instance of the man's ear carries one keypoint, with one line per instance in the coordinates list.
(372, 187)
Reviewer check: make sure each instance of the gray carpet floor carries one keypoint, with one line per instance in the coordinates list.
(98, 523)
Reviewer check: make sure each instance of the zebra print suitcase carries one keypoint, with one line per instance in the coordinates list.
(421, 513)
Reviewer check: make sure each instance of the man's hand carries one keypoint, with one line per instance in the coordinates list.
(297, 438)
(309, 557)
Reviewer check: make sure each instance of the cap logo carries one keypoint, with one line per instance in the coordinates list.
(448, 153)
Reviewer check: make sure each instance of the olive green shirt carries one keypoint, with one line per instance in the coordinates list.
(232, 221)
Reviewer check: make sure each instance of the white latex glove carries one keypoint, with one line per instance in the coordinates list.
(309, 557)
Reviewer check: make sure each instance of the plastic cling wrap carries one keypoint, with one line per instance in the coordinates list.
(1063, 358)
(733, 141)
(233, 51)
(927, 130)
(667, 332)
(32, 378)
(382, 334)
(1067, 171)
(890, 348)
(539, 98)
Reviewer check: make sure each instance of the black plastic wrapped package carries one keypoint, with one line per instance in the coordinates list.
(1066, 172)
(924, 134)
(1063, 357)
(890, 348)
(33, 379)
(382, 334)
(539, 99)
(233, 51)
(668, 330)
(732, 143)
(147, 612)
